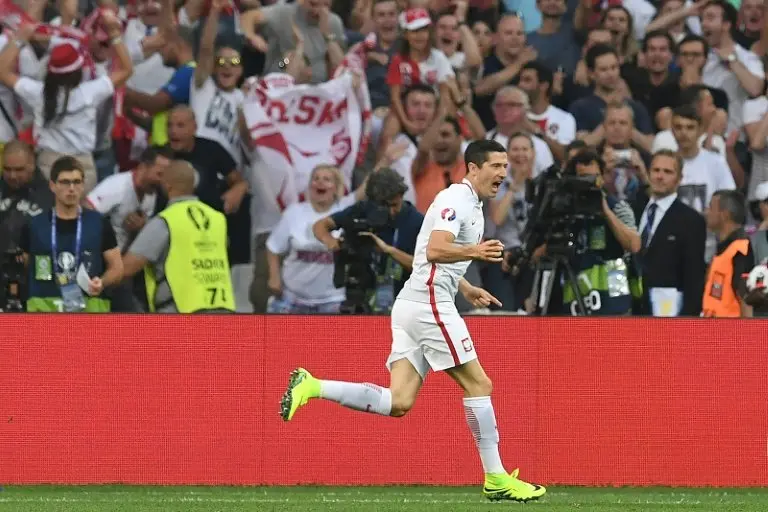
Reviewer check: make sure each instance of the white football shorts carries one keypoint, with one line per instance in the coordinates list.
(429, 336)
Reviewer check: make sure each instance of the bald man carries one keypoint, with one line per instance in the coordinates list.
(184, 249)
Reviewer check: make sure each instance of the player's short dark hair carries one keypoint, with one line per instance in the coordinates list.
(693, 38)
(686, 112)
(477, 152)
(65, 164)
(385, 185)
(598, 51)
(656, 34)
(732, 201)
(585, 157)
(150, 155)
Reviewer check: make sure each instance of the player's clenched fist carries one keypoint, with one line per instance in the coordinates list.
(490, 250)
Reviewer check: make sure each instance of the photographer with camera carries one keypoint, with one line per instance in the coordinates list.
(595, 242)
(24, 194)
(626, 164)
(374, 257)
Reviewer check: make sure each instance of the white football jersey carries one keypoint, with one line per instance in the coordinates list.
(458, 210)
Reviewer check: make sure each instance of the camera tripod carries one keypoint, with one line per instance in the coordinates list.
(356, 303)
(547, 271)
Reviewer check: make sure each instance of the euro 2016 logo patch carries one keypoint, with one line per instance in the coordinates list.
(448, 214)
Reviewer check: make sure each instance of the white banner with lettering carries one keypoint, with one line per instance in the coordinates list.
(295, 128)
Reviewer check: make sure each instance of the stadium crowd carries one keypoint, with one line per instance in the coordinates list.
(130, 109)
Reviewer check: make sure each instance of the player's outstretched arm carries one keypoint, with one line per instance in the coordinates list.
(442, 249)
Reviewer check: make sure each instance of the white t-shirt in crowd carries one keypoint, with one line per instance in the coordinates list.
(74, 131)
(115, 197)
(308, 266)
(29, 66)
(717, 74)
(704, 175)
(543, 156)
(150, 74)
(458, 210)
(216, 112)
(754, 111)
(666, 140)
(458, 60)
(556, 123)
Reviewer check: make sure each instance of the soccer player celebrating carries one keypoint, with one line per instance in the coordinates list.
(427, 331)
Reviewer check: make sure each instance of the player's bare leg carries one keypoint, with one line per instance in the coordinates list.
(396, 400)
(481, 419)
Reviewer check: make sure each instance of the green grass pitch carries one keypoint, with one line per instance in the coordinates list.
(116, 498)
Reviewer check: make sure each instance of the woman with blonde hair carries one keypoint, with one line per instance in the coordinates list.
(300, 266)
(509, 213)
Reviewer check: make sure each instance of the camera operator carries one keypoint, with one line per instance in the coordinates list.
(395, 240)
(24, 194)
(602, 272)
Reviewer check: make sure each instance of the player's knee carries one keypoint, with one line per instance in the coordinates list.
(401, 404)
(481, 386)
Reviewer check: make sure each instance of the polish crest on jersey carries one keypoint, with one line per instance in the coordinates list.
(448, 214)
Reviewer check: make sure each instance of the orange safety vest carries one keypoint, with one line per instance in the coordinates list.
(720, 298)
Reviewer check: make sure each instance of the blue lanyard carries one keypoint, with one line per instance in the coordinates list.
(78, 239)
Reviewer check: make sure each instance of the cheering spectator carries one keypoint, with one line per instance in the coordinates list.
(510, 110)
(618, 21)
(417, 63)
(385, 31)
(603, 64)
(217, 182)
(300, 266)
(673, 236)
(553, 125)
(658, 50)
(729, 66)
(177, 53)
(451, 30)
(502, 67)
(509, 213)
(756, 126)
(322, 30)
(216, 99)
(66, 127)
(555, 40)
(439, 161)
(713, 121)
(759, 239)
(484, 39)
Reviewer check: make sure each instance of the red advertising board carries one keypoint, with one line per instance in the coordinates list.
(194, 400)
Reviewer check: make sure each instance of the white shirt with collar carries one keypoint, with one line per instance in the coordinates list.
(662, 205)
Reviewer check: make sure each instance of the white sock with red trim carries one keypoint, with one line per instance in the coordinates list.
(482, 422)
(360, 397)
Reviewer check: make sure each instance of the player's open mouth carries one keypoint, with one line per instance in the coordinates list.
(496, 184)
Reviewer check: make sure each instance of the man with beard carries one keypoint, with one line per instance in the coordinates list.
(658, 48)
(439, 162)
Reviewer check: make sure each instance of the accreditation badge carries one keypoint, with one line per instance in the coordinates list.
(43, 268)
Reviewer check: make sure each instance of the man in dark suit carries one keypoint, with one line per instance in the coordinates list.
(673, 236)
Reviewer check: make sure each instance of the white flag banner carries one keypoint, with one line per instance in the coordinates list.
(295, 128)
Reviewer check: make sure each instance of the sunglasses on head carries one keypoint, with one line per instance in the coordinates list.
(228, 61)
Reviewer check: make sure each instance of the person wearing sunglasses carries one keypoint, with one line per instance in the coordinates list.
(215, 97)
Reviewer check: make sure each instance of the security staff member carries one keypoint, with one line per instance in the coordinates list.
(726, 288)
(61, 243)
(184, 250)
